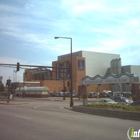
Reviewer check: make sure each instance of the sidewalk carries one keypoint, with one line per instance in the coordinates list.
(12, 102)
(3, 100)
(26, 100)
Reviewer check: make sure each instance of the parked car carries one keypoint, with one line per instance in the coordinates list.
(91, 95)
(124, 100)
(18, 94)
(127, 94)
(110, 101)
(136, 103)
(107, 93)
(75, 94)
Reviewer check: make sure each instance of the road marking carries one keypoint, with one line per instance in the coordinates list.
(38, 106)
(23, 117)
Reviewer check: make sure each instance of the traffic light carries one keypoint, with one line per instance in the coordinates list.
(18, 66)
(8, 82)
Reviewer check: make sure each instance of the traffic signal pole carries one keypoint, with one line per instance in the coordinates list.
(8, 95)
(8, 84)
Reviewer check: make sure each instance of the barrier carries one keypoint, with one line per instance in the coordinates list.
(109, 112)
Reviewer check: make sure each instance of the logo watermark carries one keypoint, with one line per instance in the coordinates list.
(132, 134)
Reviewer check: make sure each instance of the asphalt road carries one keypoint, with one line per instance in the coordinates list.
(49, 120)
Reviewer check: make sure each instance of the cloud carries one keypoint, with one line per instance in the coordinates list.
(8, 60)
(112, 44)
(80, 7)
(29, 28)
(107, 46)
(7, 8)
(8, 71)
(131, 57)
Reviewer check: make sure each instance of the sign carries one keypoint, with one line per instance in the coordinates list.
(133, 134)
(122, 78)
(81, 65)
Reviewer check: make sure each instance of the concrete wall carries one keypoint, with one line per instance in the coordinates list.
(116, 68)
(108, 112)
(126, 69)
(132, 69)
(98, 63)
(136, 70)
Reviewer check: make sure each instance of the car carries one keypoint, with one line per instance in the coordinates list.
(124, 100)
(91, 95)
(18, 94)
(136, 103)
(110, 101)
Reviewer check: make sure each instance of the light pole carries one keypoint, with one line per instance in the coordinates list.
(71, 89)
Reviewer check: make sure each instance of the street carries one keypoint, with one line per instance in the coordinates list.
(49, 120)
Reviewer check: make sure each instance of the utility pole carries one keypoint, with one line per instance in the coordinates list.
(64, 87)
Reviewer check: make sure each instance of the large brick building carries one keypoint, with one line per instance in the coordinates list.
(83, 63)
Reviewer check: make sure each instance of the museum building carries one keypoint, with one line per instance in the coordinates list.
(84, 63)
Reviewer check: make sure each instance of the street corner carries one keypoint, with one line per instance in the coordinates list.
(69, 108)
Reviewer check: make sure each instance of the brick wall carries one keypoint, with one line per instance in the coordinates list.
(77, 74)
(136, 91)
(54, 85)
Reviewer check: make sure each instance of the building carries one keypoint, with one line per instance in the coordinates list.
(84, 63)
(37, 74)
(95, 62)
(117, 69)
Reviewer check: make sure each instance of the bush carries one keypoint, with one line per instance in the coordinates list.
(114, 106)
(1, 87)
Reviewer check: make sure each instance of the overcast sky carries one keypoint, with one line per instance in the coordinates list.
(28, 28)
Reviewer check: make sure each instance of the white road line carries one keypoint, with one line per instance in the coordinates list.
(38, 106)
(23, 117)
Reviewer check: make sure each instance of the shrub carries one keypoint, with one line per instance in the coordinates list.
(114, 106)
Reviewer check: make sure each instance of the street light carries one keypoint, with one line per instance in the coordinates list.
(71, 89)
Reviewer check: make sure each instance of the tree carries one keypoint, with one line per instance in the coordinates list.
(1, 87)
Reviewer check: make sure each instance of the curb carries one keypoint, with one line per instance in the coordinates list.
(69, 108)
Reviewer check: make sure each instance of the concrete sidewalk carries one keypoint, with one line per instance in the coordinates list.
(4, 102)
(26, 100)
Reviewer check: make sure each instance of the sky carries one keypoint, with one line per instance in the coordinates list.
(28, 28)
